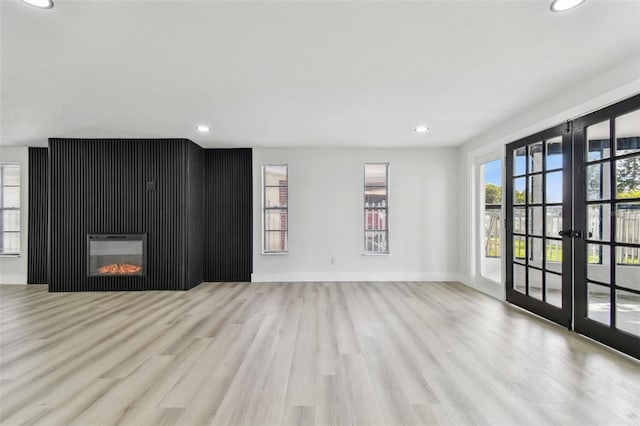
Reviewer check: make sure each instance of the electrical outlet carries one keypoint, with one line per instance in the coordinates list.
(333, 260)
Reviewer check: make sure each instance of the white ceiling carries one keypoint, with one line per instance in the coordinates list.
(280, 74)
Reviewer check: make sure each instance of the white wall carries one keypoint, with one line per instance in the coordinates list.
(326, 217)
(576, 101)
(13, 270)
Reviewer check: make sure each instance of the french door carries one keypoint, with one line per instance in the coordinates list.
(538, 213)
(573, 225)
(607, 200)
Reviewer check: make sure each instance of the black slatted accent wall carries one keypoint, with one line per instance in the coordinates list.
(228, 212)
(38, 233)
(100, 186)
(195, 214)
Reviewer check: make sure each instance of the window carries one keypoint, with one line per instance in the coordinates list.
(275, 213)
(376, 208)
(491, 219)
(9, 209)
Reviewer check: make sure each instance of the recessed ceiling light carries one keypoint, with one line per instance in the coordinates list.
(42, 4)
(203, 129)
(422, 129)
(562, 5)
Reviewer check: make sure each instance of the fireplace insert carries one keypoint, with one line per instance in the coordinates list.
(116, 254)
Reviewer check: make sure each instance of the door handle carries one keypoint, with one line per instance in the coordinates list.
(571, 233)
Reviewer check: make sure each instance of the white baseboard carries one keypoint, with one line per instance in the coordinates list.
(352, 276)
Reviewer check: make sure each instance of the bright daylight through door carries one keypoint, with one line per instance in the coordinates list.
(491, 216)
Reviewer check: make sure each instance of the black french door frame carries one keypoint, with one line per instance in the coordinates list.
(563, 314)
(576, 236)
(608, 334)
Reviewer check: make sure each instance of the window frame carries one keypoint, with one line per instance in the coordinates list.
(386, 208)
(3, 209)
(265, 209)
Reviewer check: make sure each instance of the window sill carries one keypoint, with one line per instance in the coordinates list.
(386, 253)
(279, 253)
(8, 256)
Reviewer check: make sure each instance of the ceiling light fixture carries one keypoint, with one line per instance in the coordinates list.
(42, 4)
(203, 129)
(562, 5)
(422, 129)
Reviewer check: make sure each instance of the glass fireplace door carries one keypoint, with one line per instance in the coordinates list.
(116, 254)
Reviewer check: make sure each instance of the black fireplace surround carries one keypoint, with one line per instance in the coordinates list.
(145, 214)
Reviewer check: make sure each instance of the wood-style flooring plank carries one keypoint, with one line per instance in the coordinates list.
(384, 353)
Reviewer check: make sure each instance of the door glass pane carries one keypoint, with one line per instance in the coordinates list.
(519, 278)
(519, 161)
(535, 157)
(491, 251)
(599, 222)
(628, 133)
(519, 220)
(553, 252)
(519, 190)
(554, 153)
(628, 312)
(554, 187)
(627, 274)
(598, 182)
(535, 252)
(535, 221)
(535, 189)
(554, 289)
(628, 177)
(519, 248)
(628, 223)
(599, 263)
(598, 303)
(535, 283)
(598, 136)
(554, 220)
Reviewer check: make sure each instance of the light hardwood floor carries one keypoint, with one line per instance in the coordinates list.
(388, 353)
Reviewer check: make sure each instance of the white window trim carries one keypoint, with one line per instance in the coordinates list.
(364, 220)
(264, 209)
(19, 209)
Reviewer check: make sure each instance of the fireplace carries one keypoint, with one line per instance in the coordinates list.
(116, 255)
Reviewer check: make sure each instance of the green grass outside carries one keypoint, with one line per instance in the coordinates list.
(553, 253)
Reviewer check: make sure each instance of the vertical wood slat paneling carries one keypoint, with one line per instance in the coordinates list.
(194, 231)
(37, 230)
(228, 207)
(99, 186)
(198, 219)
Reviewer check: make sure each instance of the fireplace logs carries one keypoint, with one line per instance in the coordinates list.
(120, 268)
